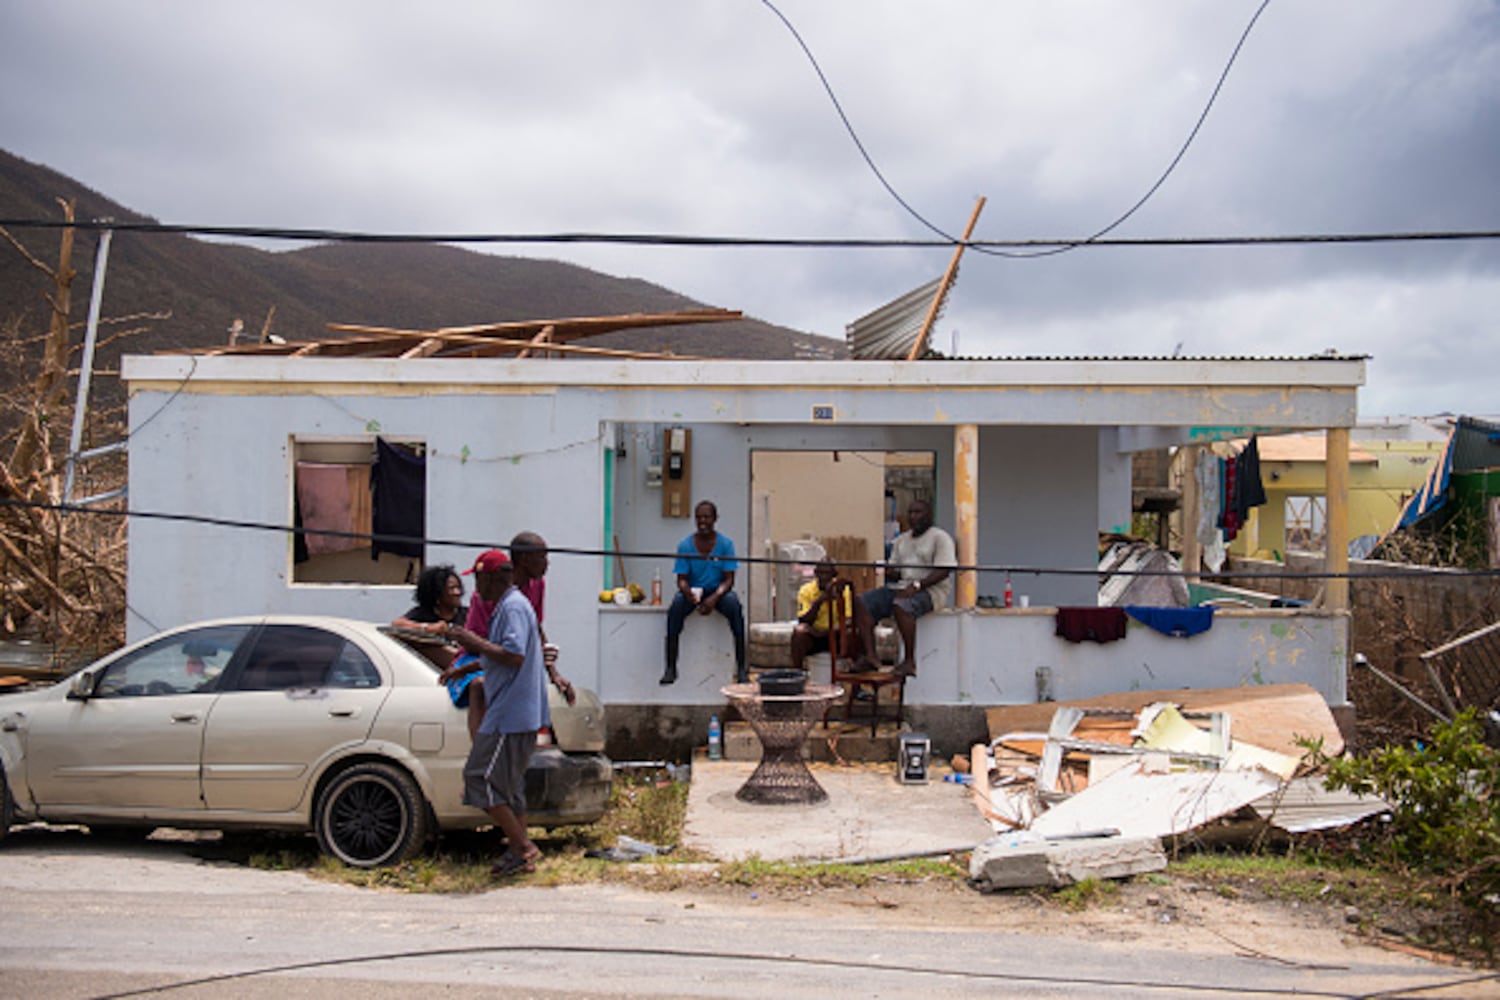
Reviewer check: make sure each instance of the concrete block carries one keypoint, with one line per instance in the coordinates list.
(1011, 862)
(841, 742)
(740, 742)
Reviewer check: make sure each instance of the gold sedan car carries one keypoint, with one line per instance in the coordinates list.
(283, 723)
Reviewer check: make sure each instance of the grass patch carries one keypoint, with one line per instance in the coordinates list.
(1086, 893)
(761, 874)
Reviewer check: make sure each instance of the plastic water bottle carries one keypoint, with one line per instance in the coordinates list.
(715, 739)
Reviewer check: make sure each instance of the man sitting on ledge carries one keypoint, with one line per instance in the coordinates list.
(917, 580)
(705, 583)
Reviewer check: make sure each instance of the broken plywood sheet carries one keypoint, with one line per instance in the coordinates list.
(1143, 804)
(1272, 716)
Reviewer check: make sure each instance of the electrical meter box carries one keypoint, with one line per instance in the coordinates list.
(915, 754)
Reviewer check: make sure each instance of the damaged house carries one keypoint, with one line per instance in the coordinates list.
(1025, 460)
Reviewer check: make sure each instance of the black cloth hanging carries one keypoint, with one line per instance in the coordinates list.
(398, 482)
(1249, 491)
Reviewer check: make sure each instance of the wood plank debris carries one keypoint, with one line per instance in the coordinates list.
(522, 338)
(1125, 770)
(1273, 716)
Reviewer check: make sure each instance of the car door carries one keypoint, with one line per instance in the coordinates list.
(134, 743)
(300, 694)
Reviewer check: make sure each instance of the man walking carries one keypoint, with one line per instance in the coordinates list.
(515, 688)
(705, 582)
(917, 581)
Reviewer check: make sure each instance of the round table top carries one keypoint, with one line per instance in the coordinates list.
(751, 692)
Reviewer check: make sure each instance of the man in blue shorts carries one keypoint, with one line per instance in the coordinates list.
(705, 583)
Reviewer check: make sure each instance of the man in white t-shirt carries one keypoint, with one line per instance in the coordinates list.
(918, 579)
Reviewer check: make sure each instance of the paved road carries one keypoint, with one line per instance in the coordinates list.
(82, 918)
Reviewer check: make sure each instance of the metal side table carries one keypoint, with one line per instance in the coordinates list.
(781, 722)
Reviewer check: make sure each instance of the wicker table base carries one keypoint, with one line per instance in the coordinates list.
(781, 722)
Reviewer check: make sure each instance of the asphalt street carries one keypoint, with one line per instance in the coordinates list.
(84, 918)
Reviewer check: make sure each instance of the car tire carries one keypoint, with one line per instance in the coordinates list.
(370, 815)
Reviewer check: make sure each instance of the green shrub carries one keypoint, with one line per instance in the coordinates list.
(1445, 807)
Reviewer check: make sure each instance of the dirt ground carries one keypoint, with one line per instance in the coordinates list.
(1189, 916)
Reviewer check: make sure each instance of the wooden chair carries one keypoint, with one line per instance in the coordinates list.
(844, 647)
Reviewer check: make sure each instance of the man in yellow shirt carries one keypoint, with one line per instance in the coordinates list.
(815, 607)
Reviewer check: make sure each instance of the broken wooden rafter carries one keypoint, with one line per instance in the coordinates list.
(543, 336)
(564, 330)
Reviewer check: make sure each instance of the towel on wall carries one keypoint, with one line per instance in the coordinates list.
(332, 497)
(1179, 622)
(1092, 624)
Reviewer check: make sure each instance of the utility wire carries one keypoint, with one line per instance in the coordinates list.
(988, 248)
(737, 242)
(611, 553)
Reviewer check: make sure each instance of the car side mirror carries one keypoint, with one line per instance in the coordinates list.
(84, 683)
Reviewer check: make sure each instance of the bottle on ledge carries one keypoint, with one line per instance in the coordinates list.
(715, 739)
(1010, 595)
(656, 587)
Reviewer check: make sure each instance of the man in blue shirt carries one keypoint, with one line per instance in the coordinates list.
(705, 583)
(515, 690)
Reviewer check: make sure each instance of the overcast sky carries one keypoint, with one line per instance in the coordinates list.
(705, 117)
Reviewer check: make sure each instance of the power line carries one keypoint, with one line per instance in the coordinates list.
(611, 553)
(745, 242)
(1058, 246)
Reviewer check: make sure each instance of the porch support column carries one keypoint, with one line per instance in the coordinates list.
(1336, 540)
(966, 511)
(1192, 549)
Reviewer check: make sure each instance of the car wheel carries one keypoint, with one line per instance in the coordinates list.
(371, 815)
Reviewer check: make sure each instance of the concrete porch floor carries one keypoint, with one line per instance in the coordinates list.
(868, 813)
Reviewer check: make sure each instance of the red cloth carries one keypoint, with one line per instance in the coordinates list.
(1092, 624)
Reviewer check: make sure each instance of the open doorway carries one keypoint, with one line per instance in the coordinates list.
(848, 503)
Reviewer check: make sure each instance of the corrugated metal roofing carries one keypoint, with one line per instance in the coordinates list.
(1476, 445)
(1160, 357)
(890, 331)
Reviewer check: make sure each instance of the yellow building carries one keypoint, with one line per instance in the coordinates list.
(1388, 461)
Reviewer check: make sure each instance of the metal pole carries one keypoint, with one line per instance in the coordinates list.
(86, 369)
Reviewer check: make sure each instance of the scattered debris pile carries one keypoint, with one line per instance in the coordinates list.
(1090, 789)
(62, 575)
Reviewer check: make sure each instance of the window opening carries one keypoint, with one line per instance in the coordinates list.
(358, 487)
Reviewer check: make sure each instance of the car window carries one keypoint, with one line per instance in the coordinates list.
(302, 656)
(178, 664)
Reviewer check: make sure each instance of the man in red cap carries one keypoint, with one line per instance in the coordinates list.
(515, 683)
(491, 561)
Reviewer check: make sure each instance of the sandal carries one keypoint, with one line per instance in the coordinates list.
(512, 864)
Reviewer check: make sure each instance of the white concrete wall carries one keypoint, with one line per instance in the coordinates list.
(496, 465)
(1038, 506)
(992, 657)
